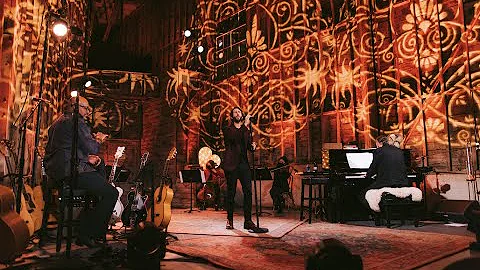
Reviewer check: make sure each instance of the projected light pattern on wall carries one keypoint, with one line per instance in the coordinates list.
(406, 67)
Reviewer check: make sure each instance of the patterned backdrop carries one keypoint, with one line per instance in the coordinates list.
(363, 67)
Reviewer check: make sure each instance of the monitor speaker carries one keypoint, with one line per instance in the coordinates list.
(146, 247)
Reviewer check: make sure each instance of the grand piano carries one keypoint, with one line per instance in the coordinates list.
(348, 168)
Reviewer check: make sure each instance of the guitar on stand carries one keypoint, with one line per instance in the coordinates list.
(14, 230)
(136, 211)
(118, 209)
(25, 208)
(162, 203)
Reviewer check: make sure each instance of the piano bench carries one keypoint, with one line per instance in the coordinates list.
(391, 205)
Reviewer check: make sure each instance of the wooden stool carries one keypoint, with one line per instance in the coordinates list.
(79, 199)
(317, 195)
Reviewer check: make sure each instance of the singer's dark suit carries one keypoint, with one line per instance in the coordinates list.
(237, 142)
(57, 165)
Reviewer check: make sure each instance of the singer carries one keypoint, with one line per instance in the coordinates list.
(237, 141)
(91, 169)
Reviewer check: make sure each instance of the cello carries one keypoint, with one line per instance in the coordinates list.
(162, 202)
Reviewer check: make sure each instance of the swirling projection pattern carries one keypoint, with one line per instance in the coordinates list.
(308, 58)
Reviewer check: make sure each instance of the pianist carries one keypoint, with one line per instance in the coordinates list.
(389, 167)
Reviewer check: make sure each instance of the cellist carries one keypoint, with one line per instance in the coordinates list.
(216, 181)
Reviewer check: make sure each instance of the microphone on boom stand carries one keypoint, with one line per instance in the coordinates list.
(256, 229)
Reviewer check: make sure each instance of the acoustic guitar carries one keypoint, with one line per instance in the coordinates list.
(25, 208)
(13, 230)
(162, 202)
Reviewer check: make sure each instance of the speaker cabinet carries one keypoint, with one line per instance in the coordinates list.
(452, 210)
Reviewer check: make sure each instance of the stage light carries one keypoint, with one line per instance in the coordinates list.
(220, 55)
(88, 83)
(74, 93)
(200, 49)
(59, 27)
(220, 43)
(187, 33)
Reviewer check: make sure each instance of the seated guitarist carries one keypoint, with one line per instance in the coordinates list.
(216, 177)
(91, 169)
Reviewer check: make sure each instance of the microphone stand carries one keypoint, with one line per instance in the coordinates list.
(258, 229)
(73, 179)
(21, 162)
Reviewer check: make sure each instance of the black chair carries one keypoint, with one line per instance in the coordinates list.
(68, 199)
(317, 193)
(402, 208)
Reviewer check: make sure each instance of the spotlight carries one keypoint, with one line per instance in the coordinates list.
(60, 27)
(74, 93)
(187, 33)
(88, 83)
(200, 49)
(220, 55)
(220, 43)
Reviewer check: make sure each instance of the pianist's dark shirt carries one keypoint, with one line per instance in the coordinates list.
(389, 166)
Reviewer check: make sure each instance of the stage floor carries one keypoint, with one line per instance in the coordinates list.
(204, 243)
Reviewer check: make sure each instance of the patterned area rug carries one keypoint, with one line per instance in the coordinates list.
(211, 222)
(380, 248)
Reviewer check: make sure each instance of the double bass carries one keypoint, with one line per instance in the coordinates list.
(162, 202)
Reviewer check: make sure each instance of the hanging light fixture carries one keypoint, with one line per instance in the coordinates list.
(59, 26)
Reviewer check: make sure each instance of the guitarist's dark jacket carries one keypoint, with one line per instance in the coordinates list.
(59, 146)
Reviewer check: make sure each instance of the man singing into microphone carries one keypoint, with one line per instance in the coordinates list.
(91, 169)
(238, 140)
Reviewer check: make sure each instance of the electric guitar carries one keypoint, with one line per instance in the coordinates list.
(136, 211)
(118, 209)
(163, 196)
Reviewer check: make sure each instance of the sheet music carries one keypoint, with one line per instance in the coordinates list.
(202, 175)
(360, 160)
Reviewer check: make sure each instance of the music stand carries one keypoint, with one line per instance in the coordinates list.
(262, 173)
(191, 176)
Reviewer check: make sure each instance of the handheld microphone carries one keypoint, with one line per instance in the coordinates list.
(40, 100)
(252, 118)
